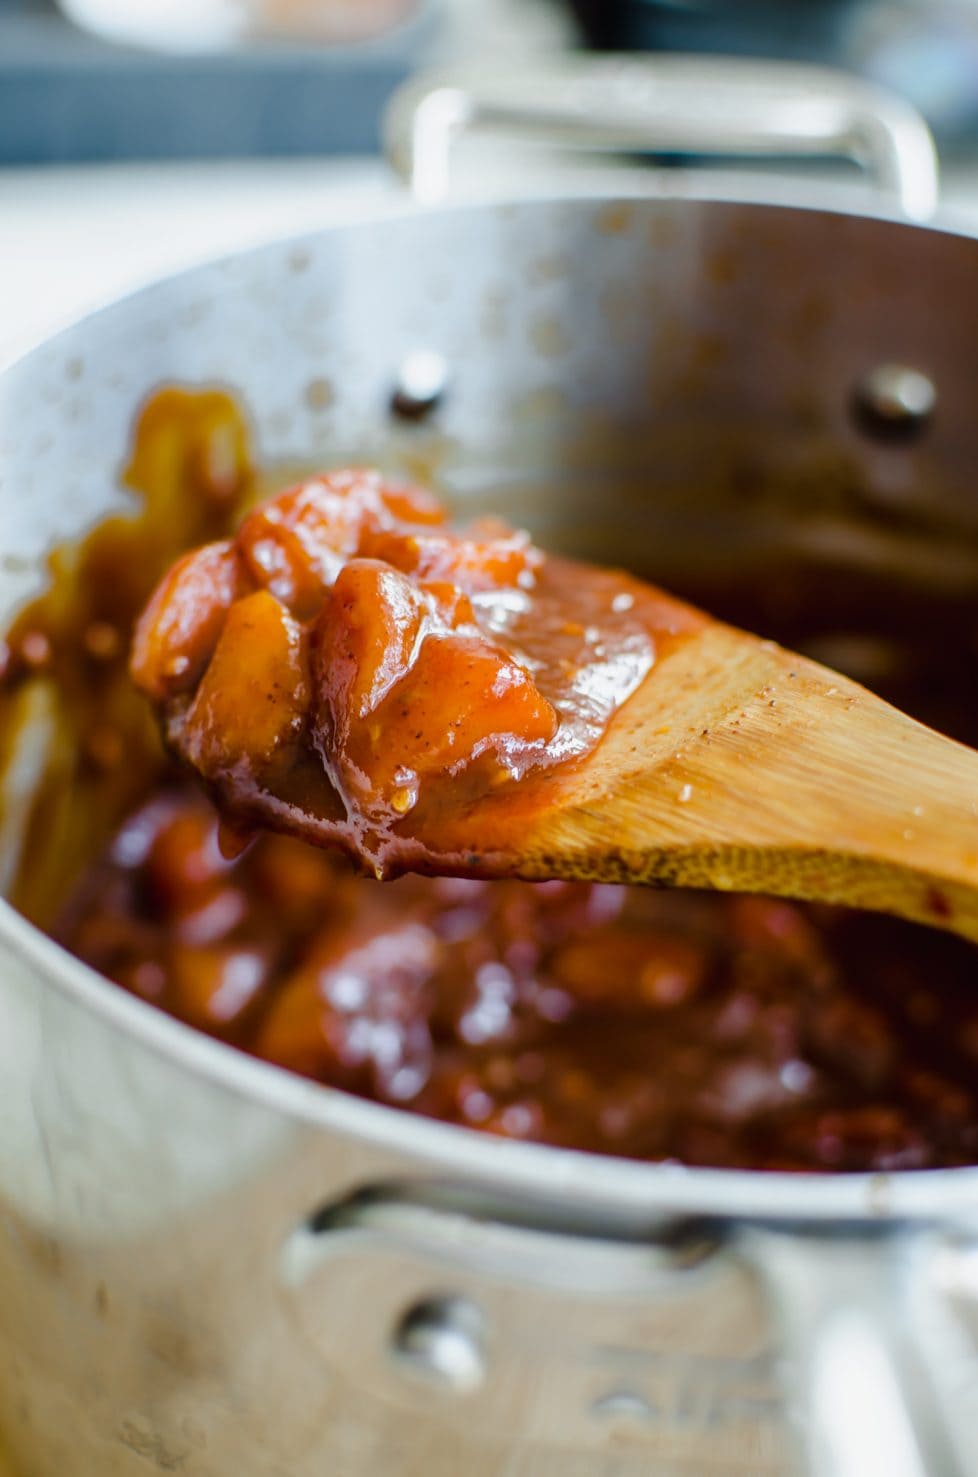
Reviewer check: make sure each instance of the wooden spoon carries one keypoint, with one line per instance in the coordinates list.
(740, 766)
(736, 766)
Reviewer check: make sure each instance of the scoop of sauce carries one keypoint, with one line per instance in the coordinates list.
(351, 669)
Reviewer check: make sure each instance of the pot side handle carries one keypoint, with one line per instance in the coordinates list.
(874, 1359)
(723, 106)
(877, 1373)
(456, 1228)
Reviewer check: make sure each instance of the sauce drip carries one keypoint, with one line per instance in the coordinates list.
(67, 704)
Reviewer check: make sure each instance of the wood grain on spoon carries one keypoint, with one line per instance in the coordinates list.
(739, 766)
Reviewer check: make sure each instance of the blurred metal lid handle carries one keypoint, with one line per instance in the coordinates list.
(722, 106)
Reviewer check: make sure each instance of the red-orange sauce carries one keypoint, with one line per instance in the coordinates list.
(351, 669)
(731, 1031)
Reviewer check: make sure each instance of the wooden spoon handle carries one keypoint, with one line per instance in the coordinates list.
(742, 767)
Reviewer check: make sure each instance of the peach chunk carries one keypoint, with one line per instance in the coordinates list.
(179, 628)
(451, 606)
(408, 504)
(632, 967)
(253, 697)
(404, 695)
(365, 639)
(488, 557)
(463, 696)
(296, 544)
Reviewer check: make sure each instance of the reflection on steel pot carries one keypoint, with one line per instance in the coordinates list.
(208, 1266)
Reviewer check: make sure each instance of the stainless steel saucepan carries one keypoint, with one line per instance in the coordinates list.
(210, 1267)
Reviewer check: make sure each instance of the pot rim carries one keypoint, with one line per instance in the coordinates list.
(844, 199)
(598, 1183)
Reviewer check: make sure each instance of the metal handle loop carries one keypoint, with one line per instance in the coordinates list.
(862, 1321)
(444, 1223)
(724, 106)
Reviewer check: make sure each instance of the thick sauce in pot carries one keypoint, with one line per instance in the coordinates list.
(733, 1031)
(711, 1030)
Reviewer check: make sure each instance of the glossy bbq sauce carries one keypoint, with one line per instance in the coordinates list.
(706, 1029)
(68, 707)
(713, 1030)
(352, 670)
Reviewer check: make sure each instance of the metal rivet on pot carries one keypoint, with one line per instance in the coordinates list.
(895, 401)
(420, 385)
(442, 1339)
(624, 1403)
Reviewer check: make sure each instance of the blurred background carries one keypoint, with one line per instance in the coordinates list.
(104, 79)
(138, 135)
